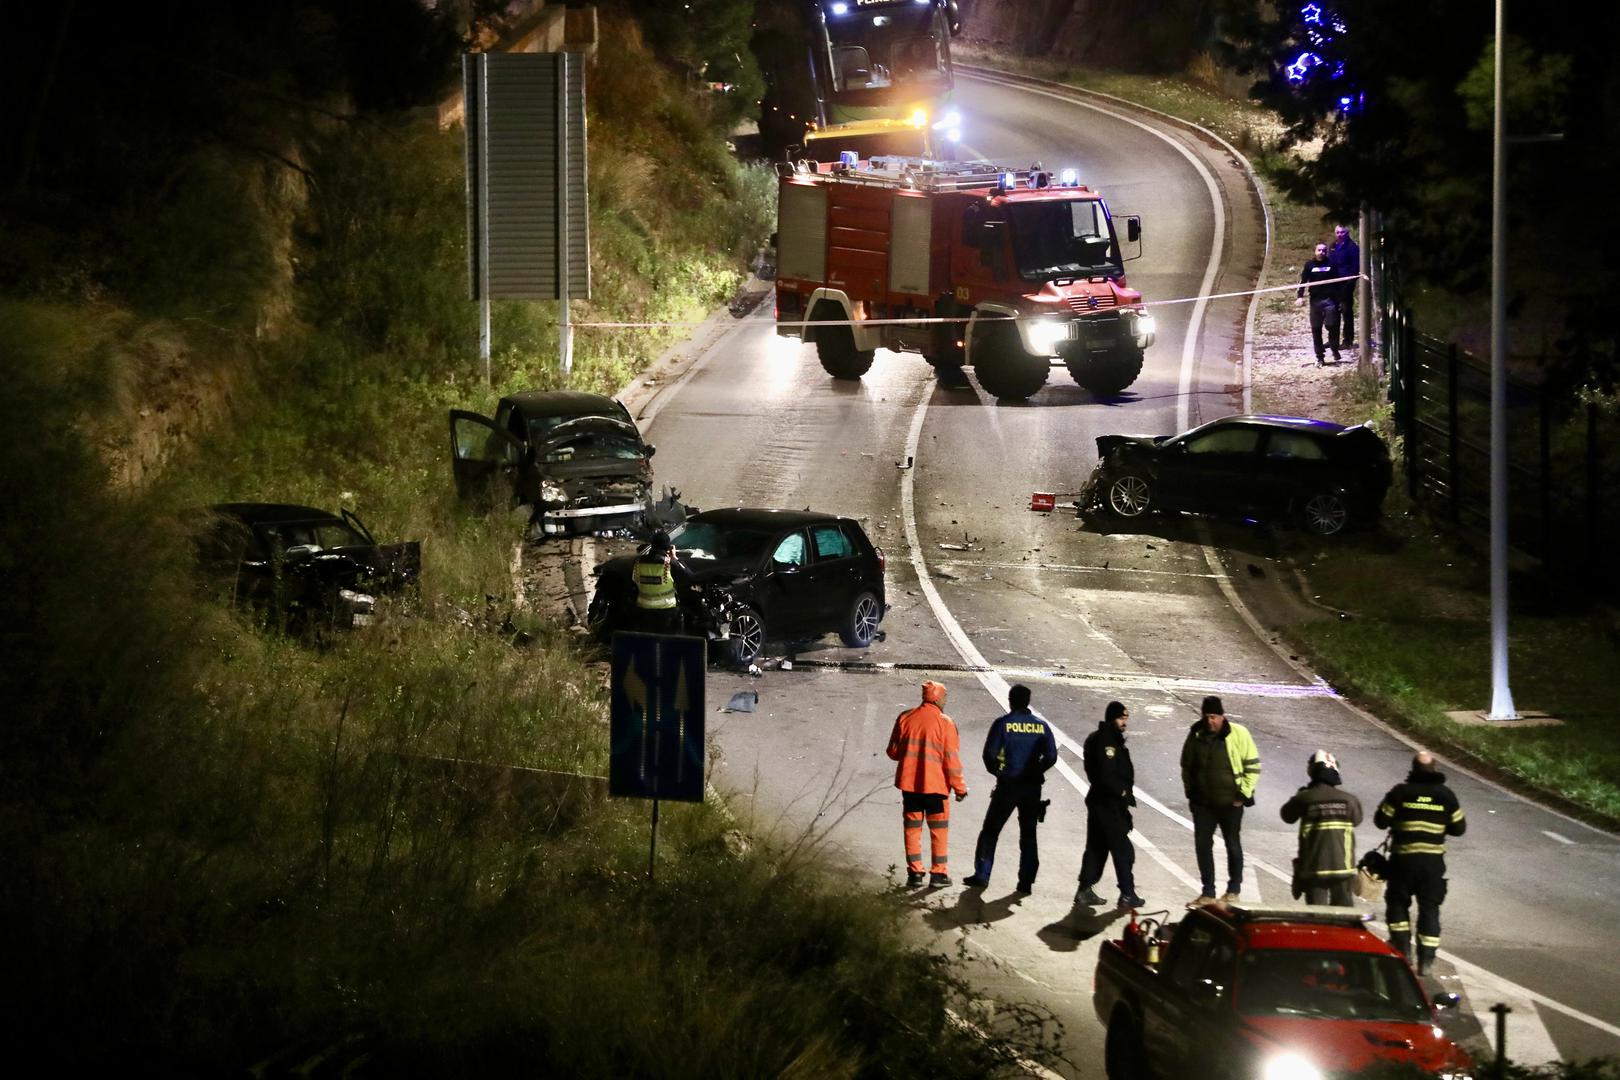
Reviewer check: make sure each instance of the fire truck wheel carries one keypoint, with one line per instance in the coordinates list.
(1107, 377)
(835, 345)
(1002, 366)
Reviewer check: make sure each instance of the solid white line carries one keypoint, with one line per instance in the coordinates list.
(1554, 836)
(1189, 346)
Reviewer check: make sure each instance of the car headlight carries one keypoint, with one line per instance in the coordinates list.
(1044, 335)
(1290, 1067)
(551, 493)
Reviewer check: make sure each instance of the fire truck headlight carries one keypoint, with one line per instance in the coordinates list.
(1146, 329)
(840, 9)
(954, 134)
(1044, 335)
(952, 119)
(919, 117)
(1290, 1067)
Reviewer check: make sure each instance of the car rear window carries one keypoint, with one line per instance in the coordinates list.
(831, 543)
(1329, 986)
(1294, 446)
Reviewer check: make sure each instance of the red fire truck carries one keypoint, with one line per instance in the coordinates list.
(967, 263)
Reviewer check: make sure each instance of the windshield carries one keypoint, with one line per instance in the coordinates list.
(707, 540)
(904, 47)
(1331, 986)
(596, 446)
(1071, 238)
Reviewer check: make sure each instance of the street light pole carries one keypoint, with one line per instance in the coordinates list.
(1501, 694)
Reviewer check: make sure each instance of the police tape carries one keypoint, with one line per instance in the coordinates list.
(924, 320)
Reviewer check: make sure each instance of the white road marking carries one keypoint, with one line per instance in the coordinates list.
(1554, 836)
(1189, 346)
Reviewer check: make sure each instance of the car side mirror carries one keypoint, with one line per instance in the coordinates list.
(1447, 1000)
(1133, 228)
(785, 567)
(299, 551)
(649, 450)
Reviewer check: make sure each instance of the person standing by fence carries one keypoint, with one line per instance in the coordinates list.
(1345, 256)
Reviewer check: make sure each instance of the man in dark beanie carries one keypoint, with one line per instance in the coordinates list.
(1108, 809)
(1420, 814)
(1220, 766)
(1327, 818)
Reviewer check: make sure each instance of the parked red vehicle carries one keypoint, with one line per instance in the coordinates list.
(1280, 993)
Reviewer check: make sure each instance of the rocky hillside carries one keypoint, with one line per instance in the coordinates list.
(1149, 35)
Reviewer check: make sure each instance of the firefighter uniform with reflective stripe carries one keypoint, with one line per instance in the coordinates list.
(1327, 819)
(1420, 814)
(927, 751)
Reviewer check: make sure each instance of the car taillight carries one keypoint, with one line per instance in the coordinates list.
(883, 560)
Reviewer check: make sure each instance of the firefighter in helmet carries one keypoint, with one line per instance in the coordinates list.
(657, 608)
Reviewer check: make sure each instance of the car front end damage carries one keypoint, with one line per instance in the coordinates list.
(590, 505)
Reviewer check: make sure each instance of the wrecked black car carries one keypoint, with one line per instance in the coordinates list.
(744, 577)
(1324, 476)
(576, 458)
(299, 567)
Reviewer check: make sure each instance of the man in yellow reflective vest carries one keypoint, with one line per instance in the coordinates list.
(1327, 818)
(1420, 814)
(1220, 766)
(657, 607)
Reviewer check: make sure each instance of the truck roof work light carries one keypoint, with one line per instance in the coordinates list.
(1069, 178)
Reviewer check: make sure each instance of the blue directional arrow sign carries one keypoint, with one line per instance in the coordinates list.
(657, 717)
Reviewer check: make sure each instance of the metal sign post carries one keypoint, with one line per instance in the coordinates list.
(657, 716)
(1501, 692)
(527, 206)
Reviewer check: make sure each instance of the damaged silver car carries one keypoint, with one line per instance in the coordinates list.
(577, 459)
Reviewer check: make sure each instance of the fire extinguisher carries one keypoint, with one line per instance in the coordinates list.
(1150, 933)
(1135, 940)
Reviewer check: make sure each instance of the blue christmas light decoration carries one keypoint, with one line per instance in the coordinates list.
(1312, 14)
(1301, 67)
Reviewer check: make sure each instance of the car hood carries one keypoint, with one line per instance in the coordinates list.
(1107, 444)
(1353, 1045)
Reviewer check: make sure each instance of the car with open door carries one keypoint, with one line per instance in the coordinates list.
(576, 458)
(300, 567)
(745, 577)
(1324, 476)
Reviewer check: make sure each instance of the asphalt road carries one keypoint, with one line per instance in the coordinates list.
(1084, 617)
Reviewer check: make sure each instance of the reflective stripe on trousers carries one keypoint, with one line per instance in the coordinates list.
(939, 835)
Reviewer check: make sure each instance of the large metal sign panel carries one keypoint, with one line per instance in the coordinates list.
(656, 723)
(527, 221)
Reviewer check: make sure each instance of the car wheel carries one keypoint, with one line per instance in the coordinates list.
(1122, 1053)
(747, 639)
(1326, 513)
(861, 623)
(1002, 366)
(1130, 495)
(835, 346)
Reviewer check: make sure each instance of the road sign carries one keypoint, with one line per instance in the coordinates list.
(657, 717)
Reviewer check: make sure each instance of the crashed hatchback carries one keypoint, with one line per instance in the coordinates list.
(300, 567)
(577, 459)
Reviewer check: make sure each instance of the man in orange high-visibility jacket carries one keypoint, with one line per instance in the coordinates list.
(926, 746)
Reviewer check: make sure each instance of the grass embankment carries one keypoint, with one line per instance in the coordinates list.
(1416, 644)
(225, 849)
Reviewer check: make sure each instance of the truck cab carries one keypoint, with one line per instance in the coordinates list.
(1238, 992)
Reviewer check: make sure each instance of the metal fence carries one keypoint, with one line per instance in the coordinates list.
(1564, 458)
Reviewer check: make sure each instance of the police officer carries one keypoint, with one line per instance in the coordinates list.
(1327, 818)
(1420, 813)
(1108, 809)
(1324, 299)
(657, 607)
(1018, 750)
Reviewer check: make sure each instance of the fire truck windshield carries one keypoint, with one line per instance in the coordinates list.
(903, 49)
(1068, 238)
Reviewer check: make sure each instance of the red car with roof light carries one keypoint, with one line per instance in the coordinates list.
(1281, 993)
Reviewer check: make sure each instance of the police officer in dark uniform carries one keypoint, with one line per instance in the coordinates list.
(1018, 750)
(1421, 813)
(1324, 299)
(1108, 809)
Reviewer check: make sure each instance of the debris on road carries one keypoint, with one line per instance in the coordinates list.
(742, 701)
